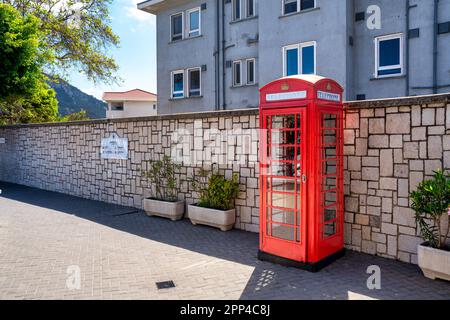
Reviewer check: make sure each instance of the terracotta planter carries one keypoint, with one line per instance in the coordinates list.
(224, 220)
(435, 263)
(165, 209)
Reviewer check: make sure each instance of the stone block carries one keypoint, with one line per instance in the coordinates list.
(351, 204)
(388, 184)
(416, 115)
(386, 205)
(408, 243)
(431, 166)
(414, 179)
(358, 187)
(388, 228)
(396, 141)
(370, 174)
(434, 147)
(356, 237)
(401, 171)
(419, 134)
(404, 216)
(354, 164)
(398, 123)
(349, 137)
(362, 219)
(376, 125)
(386, 163)
(370, 161)
(361, 147)
(368, 247)
(379, 141)
(379, 237)
(352, 120)
(446, 144)
(411, 150)
(392, 246)
(416, 165)
(428, 117)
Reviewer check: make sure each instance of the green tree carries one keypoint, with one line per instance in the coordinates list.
(40, 106)
(24, 95)
(79, 34)
(22, 54)
(76, 116)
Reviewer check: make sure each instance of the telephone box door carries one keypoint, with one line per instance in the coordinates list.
(283, 183)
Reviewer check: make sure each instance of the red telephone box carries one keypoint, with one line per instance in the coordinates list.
(301, 172)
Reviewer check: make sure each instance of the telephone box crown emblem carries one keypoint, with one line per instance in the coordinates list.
(285, 86)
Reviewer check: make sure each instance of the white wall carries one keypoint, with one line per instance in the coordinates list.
(133, 109)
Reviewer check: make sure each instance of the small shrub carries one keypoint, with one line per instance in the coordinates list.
(431, 202)
(216, 192)
(163, 181)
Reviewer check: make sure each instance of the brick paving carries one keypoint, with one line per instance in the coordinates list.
(121, 253)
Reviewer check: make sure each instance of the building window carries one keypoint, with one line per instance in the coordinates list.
(299, 59)
(251, 8)
(389, 56)
(154, 107)
(237, 73)
(178, 84)
(291, 6)
(194, 22)
(194, 81)
(116, 106)
(237, 9)
(176, 26)
(251, 71)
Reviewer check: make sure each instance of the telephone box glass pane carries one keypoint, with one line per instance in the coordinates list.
(283, 217)
(329, 121)
(329, 229)
(284, 185)
(283, 232)
(329, 167)
(329, 183)
(283, 201)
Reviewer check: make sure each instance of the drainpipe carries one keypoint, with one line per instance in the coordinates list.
(435, 46)
(216, 56)
(408, 8)
(224, 95)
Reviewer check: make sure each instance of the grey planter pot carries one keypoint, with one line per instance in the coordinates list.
(435, 263)
(224, 220)
(165, 209)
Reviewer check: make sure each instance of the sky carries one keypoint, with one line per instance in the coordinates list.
(136, 54)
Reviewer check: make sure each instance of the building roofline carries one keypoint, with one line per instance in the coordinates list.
(151, 6)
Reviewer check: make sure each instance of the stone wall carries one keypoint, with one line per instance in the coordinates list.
(390, 145)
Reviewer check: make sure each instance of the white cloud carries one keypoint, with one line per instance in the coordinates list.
(143, 18)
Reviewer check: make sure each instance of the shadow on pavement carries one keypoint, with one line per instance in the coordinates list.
(344, 279)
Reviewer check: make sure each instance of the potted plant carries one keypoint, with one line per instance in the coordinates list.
(163, 201)
(431, 203)
(216, 207)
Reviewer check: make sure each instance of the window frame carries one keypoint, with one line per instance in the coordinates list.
(172, 92)
(247, 15)
(235, 84)
(117, 106)
(378, 68)
(188, 29)
(247, 73)
(299, 47)
(182, 26)
(299, 7)
(233, 16)
(188, 78)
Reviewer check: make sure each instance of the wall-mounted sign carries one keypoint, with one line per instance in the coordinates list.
(2, 140)
(114, 147)
(328, 96)
(286, 96)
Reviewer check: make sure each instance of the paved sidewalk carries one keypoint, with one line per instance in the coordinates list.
(121, 253)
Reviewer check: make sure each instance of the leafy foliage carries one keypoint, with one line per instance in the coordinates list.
(79, 34)
(431, 202)
(162, 177)
(216, 192)
(22, 54)
(77, 116)
(40, 106)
